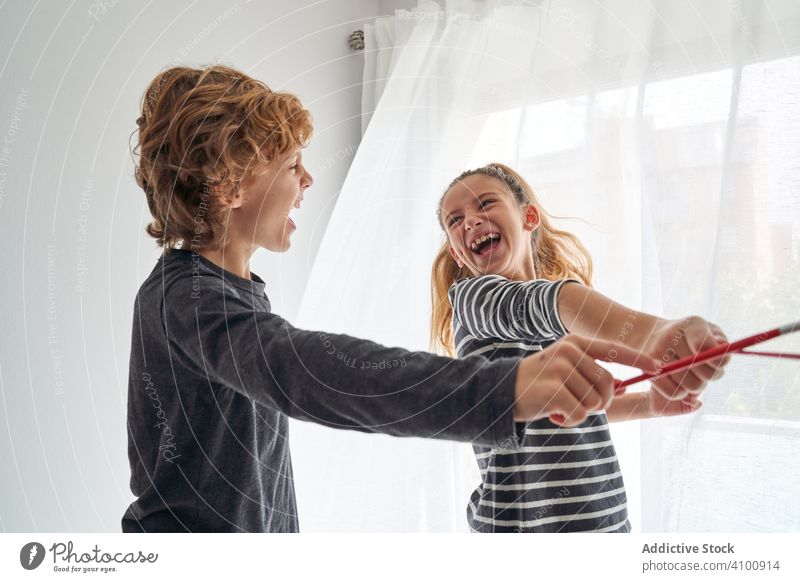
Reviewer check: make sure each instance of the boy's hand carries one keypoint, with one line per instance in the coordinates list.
(675, 339)
(564, 378)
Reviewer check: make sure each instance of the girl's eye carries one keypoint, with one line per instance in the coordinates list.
(453, 220)
(485, 202)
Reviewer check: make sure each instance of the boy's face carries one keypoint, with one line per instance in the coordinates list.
(266, 199)
(488, 231)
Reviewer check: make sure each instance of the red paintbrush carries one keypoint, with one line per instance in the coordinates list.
(716, 353)
(706, 355)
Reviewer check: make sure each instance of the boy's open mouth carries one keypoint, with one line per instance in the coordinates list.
(296, 204)
(485, 244)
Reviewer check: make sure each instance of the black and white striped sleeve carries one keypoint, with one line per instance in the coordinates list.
(491, 306)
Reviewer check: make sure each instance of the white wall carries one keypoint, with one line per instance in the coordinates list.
(72, 218)
(386, 7)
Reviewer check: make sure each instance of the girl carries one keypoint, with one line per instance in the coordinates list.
(500, 289)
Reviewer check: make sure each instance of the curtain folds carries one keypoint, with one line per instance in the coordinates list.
(665, 135)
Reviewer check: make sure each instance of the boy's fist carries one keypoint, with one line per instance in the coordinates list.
(564, 381)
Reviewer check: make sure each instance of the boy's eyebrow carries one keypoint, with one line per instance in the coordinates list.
(292, 158)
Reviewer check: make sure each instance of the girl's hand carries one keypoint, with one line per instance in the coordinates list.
(564, 379)
(675, 339)
(657, 405)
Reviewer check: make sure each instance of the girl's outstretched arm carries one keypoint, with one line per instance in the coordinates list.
(588, 312)
(491, 306)
(632, 406)
(649, 404)
(585, 311)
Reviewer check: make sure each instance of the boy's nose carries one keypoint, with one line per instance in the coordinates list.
(308, 180)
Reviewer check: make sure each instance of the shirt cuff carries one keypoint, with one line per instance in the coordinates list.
(504, 432)
(561, 330)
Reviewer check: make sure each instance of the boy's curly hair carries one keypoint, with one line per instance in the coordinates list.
(201, 131)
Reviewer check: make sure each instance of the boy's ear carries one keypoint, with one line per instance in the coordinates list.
(454, 254)
(229, 194)
(531, 218)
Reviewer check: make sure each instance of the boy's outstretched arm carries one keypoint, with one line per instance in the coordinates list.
(336, 380)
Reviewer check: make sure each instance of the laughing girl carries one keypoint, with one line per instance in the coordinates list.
(508, 284)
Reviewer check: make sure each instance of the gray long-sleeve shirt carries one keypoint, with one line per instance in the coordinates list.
(214, 376)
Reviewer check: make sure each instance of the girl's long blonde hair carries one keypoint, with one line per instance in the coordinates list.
(557, 254)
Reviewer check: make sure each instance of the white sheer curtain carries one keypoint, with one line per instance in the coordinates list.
(670, 129)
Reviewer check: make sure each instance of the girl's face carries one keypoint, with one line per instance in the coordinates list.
(489, 232)
(266, 199)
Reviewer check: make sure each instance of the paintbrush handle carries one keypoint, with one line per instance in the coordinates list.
(704, 356)
(769, 354)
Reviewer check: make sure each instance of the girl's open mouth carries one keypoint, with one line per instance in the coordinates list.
(486, 244)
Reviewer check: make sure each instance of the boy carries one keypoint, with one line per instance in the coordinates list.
(214, 374)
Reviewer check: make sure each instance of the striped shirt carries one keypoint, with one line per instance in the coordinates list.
(555, 479)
